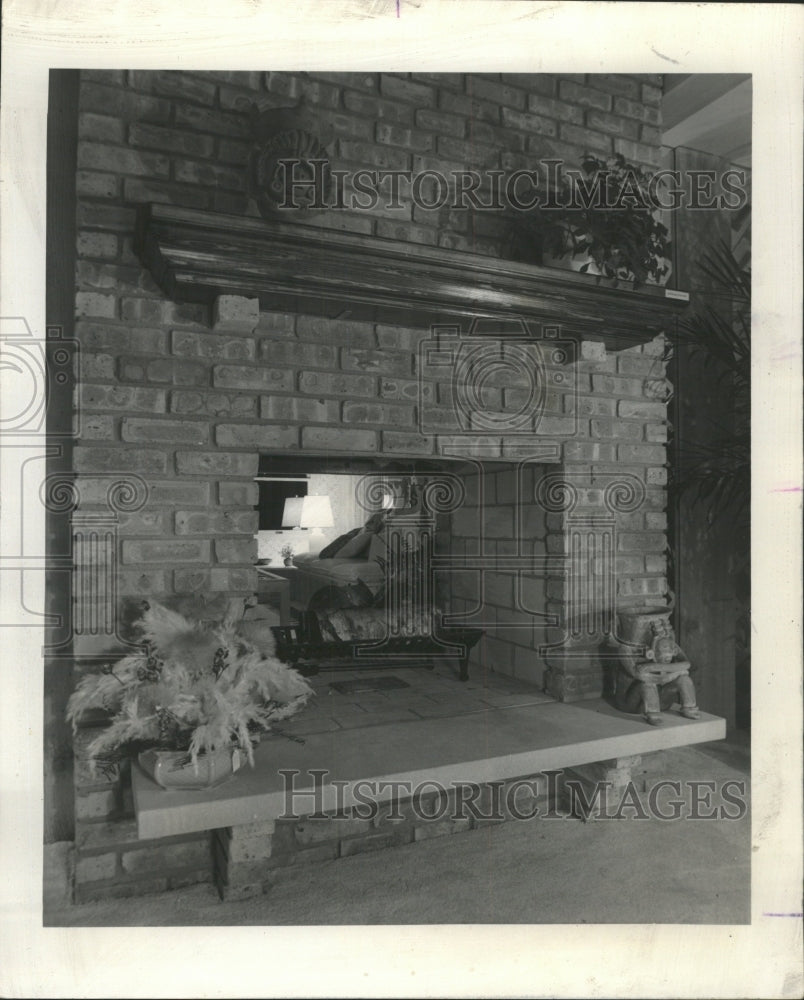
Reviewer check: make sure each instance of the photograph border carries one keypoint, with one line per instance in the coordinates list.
(761, 959)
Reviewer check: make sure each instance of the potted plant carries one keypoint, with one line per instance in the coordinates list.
(193, 700)
(601, 222)
(287, 554)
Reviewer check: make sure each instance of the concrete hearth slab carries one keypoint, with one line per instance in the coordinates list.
(485, 743)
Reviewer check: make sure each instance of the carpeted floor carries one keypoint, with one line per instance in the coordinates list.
(540, 871)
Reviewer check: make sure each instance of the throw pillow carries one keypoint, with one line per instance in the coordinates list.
(329, 550)
(356, 547)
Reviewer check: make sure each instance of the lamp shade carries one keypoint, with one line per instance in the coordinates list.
(291, 515)
(316, 512)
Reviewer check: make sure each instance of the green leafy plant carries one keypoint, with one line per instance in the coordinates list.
(605, 215)
(190, 686)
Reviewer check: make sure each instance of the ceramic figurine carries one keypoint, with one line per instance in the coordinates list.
(653, 682)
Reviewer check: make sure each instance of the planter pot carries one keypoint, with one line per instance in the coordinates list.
(570, 263)
(173, 769)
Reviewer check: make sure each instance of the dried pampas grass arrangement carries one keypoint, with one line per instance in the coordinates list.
(192, 686)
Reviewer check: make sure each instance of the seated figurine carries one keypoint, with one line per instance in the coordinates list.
(653, 683)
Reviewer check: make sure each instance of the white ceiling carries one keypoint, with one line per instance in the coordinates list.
(710, 112)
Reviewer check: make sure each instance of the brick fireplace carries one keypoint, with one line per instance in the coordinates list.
(197, 445)
(208, 337)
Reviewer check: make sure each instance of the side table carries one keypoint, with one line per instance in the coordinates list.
(276, 587)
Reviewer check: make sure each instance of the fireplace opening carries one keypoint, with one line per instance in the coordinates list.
(427, 544)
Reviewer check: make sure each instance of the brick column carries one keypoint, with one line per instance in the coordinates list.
(588, 514)
(605, 788)
(110, 860)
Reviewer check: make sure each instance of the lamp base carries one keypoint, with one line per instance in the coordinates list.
(316, 539)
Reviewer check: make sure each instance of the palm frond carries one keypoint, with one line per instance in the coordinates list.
(716, 474)
(718, 339)
(715, 469)
(720, 264)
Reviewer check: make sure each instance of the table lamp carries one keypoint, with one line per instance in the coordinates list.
(316, 513)
(291, 515)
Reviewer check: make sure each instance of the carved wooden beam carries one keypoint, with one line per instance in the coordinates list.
(195, 256)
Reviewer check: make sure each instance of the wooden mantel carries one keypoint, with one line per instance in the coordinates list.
(195, 256)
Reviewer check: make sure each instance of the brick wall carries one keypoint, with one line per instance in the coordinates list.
(500, 518)
(110, 860)
(186, 397)
(620, 431)
(253, 858)
(183, 138)
(159, 389)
